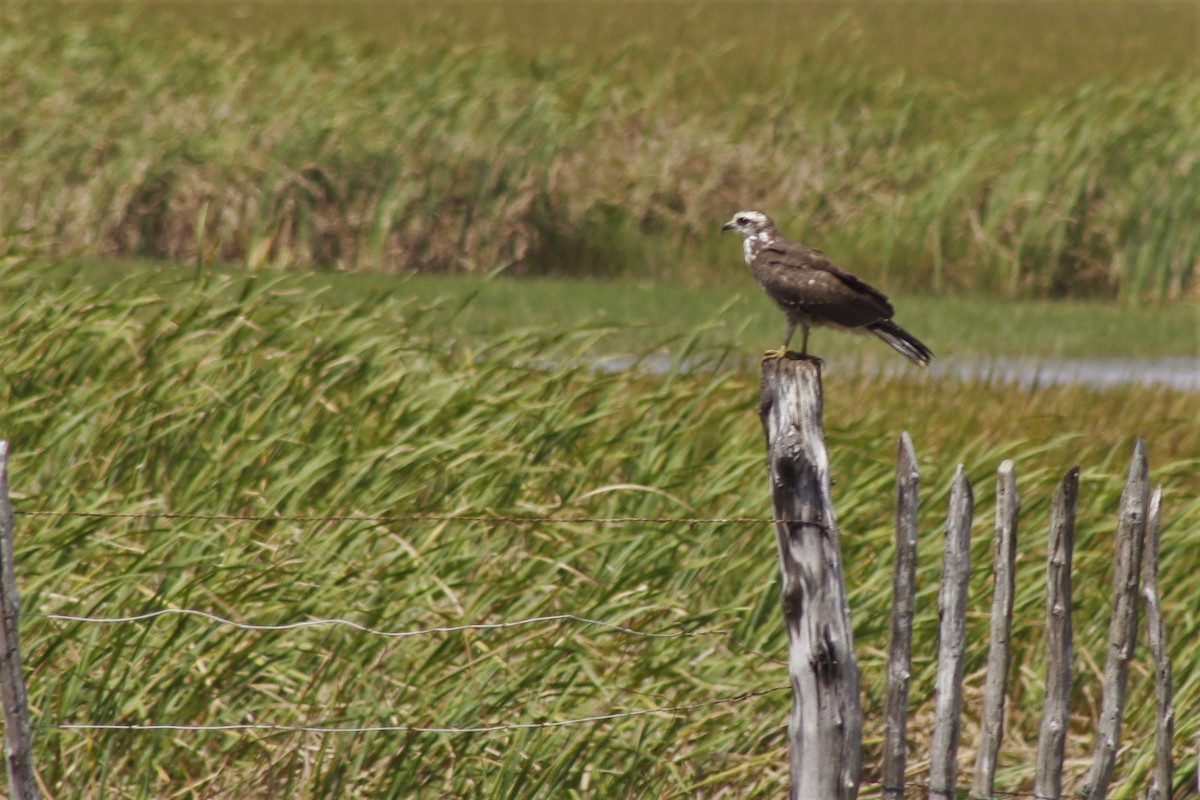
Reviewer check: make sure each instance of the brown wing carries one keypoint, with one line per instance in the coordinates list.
(805, 279)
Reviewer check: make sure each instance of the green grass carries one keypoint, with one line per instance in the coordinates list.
(244, 396)
(733, 314)
(447, 140)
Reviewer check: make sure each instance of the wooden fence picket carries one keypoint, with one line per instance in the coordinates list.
(1004, 569)
(1059, 648)
(904, 589)
(1122, 632)
(952, 639)
(1161, 779)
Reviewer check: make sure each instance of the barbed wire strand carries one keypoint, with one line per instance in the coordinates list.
(312, 623)
(732, 642)
(378, 518)
(507, 726)
(503, 726)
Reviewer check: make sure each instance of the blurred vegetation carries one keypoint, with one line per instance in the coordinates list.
(244, 395)
(605, 139)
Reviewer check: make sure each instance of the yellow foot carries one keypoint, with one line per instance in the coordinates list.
(783, 352)
(772, 355)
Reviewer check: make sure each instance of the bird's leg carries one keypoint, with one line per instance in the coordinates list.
(804, 348)
(783, 351)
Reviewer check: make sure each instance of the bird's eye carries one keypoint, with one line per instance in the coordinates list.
(743, 220)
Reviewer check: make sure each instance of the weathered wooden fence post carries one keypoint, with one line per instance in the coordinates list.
(904, 591)
(952, 638)
(1056, 707)
(1004, 567)
(1162, 781)
(1122, 631)
(18, 734)
(825, 726)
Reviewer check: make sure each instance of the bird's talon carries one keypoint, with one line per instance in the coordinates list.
(783, 352)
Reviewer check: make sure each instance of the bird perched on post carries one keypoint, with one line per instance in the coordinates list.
(812, 290)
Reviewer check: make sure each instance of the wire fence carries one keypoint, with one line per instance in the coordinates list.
(505, 726)
(393, 518)
(909, 788)
(547, 619)
(677, 632)
(312, 623)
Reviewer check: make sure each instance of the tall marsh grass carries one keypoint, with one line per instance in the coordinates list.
(122, 135)
(229, 395)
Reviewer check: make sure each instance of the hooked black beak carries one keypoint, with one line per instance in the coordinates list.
(728, 226)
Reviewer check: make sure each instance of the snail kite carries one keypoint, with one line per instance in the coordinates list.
(812, 290)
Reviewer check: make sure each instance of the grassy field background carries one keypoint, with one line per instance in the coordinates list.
(359, 260)
(1020, 149)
